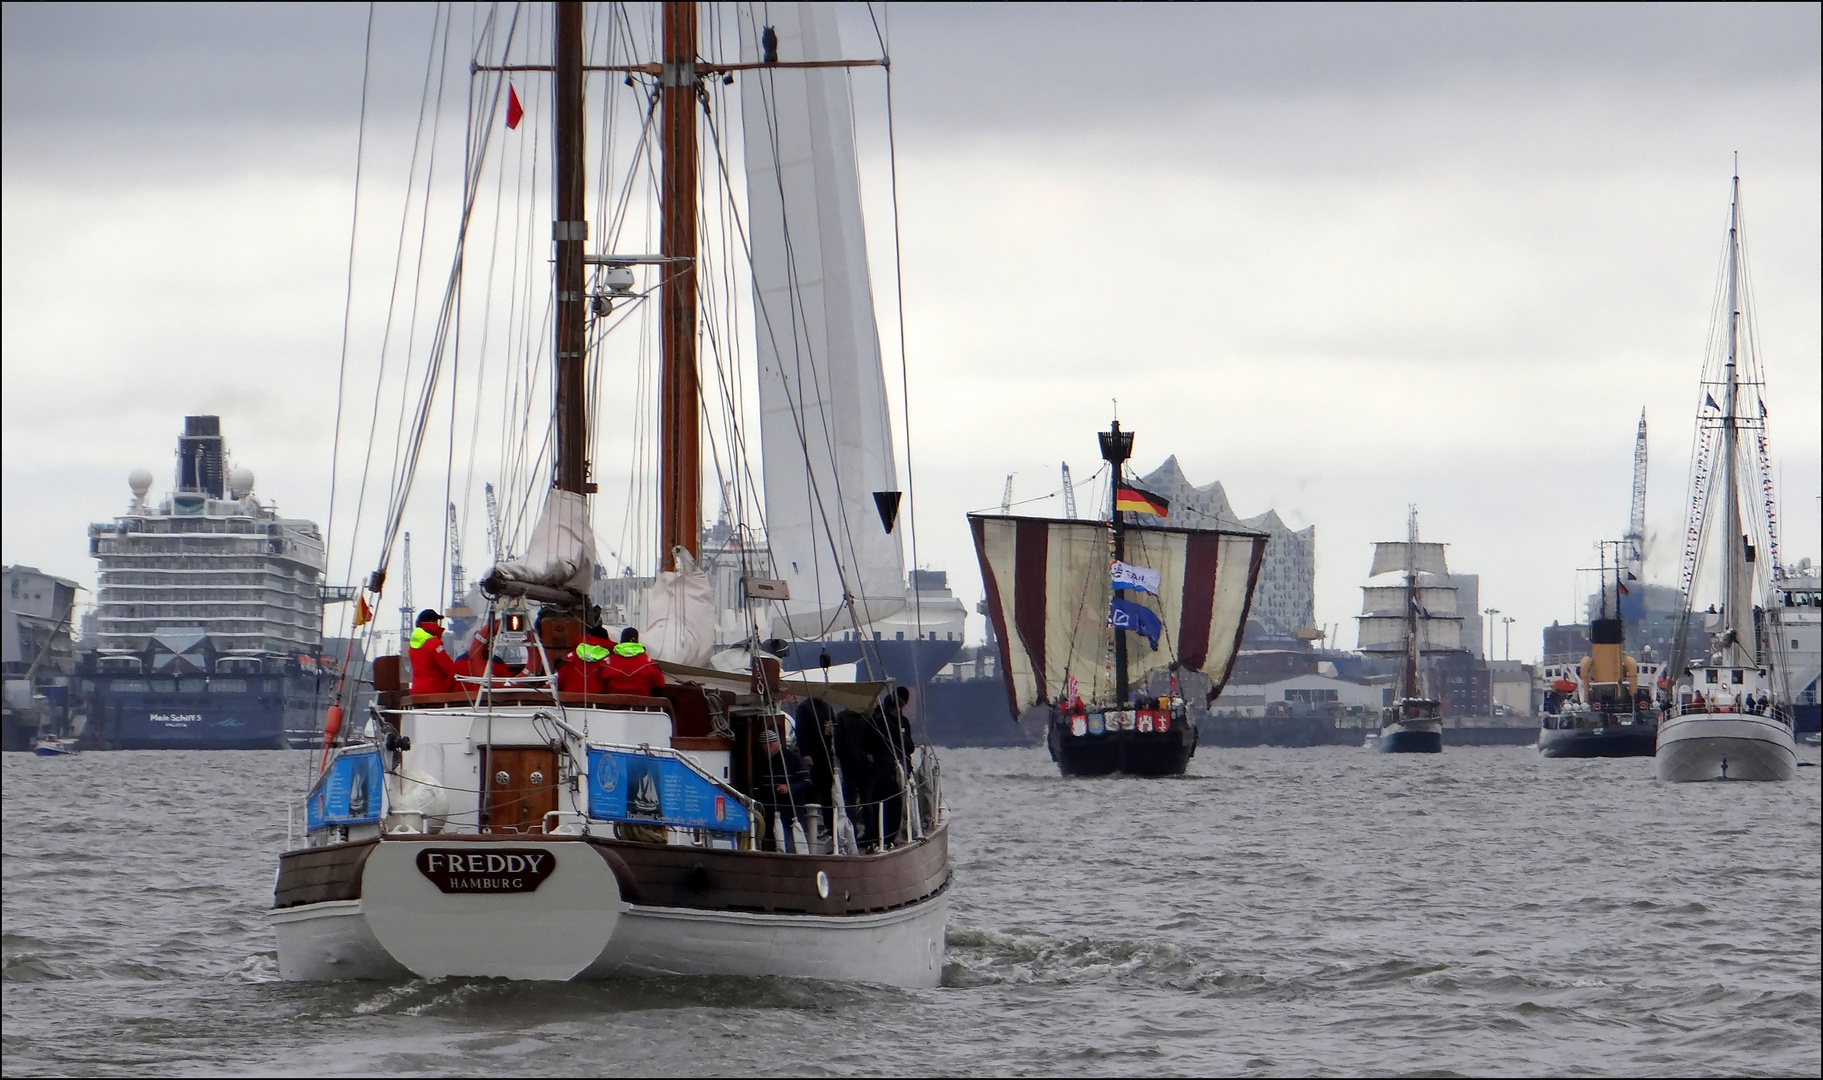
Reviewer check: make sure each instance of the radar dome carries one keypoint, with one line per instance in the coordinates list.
(240, 478)
(140, 480)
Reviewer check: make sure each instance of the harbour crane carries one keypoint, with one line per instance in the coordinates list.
(405, 613)
(1069, 494)
(493, 521)
(1006, 496)
(1636, 521)
(457, 585)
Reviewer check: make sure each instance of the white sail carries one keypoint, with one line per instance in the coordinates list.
(824, 428)
(1426, 558)
(1390, 599)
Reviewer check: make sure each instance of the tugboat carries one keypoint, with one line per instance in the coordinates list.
(1610, 710)
(1068, 598)
(1412, 619)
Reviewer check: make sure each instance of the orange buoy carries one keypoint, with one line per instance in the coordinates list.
(332, 726)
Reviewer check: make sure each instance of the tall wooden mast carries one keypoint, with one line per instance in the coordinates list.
(679, 404)
(569, 232)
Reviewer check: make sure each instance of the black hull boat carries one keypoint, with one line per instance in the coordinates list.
(1133, 742)
(1614, 737)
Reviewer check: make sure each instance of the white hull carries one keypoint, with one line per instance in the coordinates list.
(575, 926)
(1711, 746)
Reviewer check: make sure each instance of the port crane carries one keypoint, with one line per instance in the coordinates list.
(493, 521)
(1636, 521)
(1069, 494)
(1006, 496)
(457, 585)
(405, 622)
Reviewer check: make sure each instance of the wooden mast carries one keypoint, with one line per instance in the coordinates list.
(569, 232)
(679, 404)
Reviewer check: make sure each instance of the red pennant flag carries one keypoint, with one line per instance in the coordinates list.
(515, 112)
(362, 613)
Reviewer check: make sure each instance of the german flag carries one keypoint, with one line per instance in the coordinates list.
(1139, 501)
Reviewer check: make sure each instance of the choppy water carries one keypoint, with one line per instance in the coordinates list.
(1280, 912)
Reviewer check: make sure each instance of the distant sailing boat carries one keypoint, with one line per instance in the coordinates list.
(1085, 609)
(1412, 619)
(1731, 719)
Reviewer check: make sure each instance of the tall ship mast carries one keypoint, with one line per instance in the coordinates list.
(572, 802)
(208, 616)
(1107, 625)
(1731, 719)
(1412, 619)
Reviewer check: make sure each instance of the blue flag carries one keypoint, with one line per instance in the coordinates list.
(1128, 615)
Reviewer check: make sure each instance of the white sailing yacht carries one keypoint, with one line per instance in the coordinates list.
(512, 828)
(1730, 719)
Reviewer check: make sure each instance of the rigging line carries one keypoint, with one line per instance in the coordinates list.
(341, 379)
(417, 286)
(354, 226)
(373, 423)
(440, 340)
(892, 158)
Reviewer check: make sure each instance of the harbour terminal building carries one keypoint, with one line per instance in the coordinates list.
(1284, 601)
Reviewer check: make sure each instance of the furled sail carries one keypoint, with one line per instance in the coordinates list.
(1386, 633)
(559, 560)
(1390, 600)
(1048, 591)
(824, 429)
(680, 614)
(1426, 558)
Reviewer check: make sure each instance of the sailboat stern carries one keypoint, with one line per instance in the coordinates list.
(437, 906)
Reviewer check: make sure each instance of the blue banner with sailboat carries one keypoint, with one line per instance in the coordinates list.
(350, 792)
(655, 790)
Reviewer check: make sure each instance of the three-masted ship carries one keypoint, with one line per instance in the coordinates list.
(1730, 718)
(1108, 625)
(512, 829)
(1412, 619)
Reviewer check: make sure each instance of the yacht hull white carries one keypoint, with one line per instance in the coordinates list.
(1725, 747)
(577, 923)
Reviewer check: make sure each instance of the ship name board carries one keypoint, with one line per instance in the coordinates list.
(176, 718)
(497, 871)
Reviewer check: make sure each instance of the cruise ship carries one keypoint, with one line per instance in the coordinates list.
(208, 621)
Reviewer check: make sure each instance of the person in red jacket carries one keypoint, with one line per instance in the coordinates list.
(583, 670)
(631, 670)
(432, 671)
(478, 649)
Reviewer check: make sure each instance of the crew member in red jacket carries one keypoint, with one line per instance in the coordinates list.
(583, 670)
(631, 670)
(432, 671)
(478, 649)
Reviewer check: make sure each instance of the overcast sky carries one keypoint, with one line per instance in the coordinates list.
(1342, 259)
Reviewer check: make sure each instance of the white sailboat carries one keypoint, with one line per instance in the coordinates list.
(1730, 719)
(513, 829)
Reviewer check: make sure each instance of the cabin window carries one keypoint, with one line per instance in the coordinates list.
(1737, 676)
(1794, 643)
(1711, 675)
